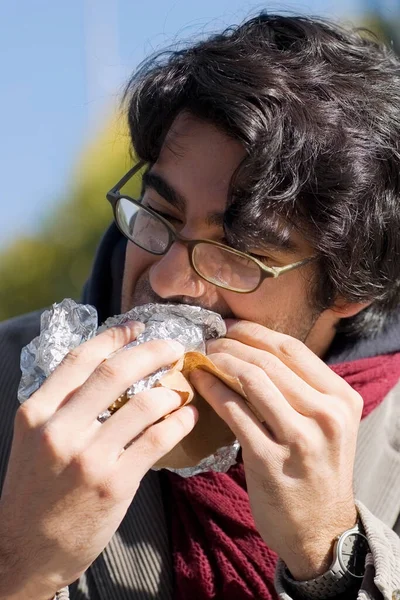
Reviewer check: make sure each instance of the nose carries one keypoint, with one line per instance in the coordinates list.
(172, 275)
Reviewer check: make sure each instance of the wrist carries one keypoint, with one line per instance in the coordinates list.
(312, 556)
(13, 588)
(309, 563)
(17, 584)
(25, 595)
(344, 574)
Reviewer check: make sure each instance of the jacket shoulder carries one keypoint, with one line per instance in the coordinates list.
(19, 331)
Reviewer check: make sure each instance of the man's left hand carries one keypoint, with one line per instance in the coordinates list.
(299, 461)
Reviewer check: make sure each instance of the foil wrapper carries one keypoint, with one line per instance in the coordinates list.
(62, 328)
(68, 324)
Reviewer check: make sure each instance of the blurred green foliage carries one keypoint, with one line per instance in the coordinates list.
(39, 270)
(389, 31)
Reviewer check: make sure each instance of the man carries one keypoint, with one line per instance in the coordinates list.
(270, 195)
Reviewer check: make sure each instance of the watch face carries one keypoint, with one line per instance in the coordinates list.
(352, 553)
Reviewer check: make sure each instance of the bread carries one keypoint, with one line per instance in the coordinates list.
(210, 432)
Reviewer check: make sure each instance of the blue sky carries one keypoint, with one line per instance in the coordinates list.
(63, 63)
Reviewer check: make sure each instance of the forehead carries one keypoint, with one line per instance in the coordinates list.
(198, 159)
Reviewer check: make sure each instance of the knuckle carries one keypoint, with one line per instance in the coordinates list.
(49, 442)
(160, 348)
(181, 425)
(124, 333)
(162, 437)
(256, 331)
(118, 335)
(335, 426)
(333, 421)
(356, 403)
(252, 370)
(142, 403)
(28, 416)
(153, 404)
(304, 447)
(158, 441)
(251, 377)
(221, 358)
(74, 355)
(289, 346)
(221, 345)
(85, 469)
(108, 370)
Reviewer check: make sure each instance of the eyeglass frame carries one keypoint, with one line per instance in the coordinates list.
(114, 195)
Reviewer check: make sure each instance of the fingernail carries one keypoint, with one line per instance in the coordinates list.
(191, 411)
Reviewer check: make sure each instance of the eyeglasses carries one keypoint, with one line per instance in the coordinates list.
(217, 263)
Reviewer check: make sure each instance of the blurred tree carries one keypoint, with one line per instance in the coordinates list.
(383, 18)
(387, 31)
(39, 270)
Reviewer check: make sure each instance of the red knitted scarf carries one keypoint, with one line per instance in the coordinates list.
(217, 551)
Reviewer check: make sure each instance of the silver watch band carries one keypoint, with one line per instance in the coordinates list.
(328, 585)
(345, 573)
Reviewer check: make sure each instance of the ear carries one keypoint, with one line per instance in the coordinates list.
(343, 309)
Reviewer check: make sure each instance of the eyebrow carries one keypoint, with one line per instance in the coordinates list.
(164, 189)
(273, 239)
(278, 240)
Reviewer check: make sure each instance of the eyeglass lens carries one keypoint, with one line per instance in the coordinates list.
(146, 231)
(225, 268)
(217, 265)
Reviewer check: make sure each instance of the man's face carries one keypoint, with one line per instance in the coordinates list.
(197, 161)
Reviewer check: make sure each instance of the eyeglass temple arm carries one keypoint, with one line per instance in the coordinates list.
(280, 270)
(126, 177)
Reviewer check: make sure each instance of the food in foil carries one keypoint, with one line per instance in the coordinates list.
(211, 445)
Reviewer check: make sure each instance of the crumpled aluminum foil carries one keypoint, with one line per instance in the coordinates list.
(68, 324)
(62, 328)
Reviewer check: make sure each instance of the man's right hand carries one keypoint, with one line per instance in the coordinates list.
(70, 481)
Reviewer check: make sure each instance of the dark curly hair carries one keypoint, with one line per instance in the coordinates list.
(317, 109)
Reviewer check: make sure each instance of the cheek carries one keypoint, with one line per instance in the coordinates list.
(136, 262)
(275, 302)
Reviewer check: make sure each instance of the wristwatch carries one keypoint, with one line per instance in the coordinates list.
(346, 571)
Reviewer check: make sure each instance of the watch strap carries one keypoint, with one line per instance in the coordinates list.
(333, 582)
(327, 585)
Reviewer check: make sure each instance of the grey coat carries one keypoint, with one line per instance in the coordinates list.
(137, 562)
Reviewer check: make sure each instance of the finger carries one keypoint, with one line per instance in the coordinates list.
(303, 398)
(141, 411)
(77, 366)
(156, 442)
(111, 379)
(271, 407)
(232, 408)
(291, 351)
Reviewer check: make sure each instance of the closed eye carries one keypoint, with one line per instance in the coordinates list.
(166, 216)
(262, 258)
